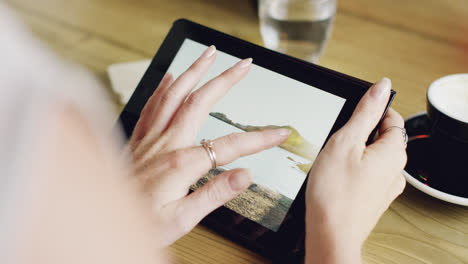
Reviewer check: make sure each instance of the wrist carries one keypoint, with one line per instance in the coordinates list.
(330, 243)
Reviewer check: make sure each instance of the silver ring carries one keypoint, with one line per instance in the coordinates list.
(208, 146)
(403, 132)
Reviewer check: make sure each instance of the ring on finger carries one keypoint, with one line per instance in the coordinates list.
(208, 146)
(403, 133)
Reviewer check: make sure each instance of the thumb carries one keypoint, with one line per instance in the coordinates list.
(369, 111)
(215, 193)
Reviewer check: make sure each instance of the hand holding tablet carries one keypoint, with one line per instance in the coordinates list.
(345, 200)
(279, 94)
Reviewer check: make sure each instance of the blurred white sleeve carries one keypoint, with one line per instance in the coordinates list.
(32, 80)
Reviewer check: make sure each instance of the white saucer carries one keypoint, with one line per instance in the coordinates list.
(425, 188)
(435, 193)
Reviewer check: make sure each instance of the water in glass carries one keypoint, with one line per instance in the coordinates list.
(299, 28)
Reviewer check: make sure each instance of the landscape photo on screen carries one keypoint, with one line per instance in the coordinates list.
(262, 100)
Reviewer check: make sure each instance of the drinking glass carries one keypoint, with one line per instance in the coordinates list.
(300, 28)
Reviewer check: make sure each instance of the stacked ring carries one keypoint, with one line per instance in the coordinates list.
(208, 146)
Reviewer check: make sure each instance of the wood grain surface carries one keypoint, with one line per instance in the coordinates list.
(412, 42)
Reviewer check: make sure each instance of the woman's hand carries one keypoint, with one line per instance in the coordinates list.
(351, 185)
(168, 160)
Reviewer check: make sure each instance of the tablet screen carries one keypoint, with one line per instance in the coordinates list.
(266, 99)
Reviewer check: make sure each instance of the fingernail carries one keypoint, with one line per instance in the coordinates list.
(243, 63)
(239, 180)
(380, 89)
(284, 132)
(209, 52)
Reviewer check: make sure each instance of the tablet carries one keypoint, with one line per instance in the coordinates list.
(312, 101)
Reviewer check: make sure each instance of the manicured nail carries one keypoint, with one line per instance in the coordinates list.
(239, 180)
(209, 52)
(284, 132)
(380, 89)
(244, 63)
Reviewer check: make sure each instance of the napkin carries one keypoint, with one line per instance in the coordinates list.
(124, 77)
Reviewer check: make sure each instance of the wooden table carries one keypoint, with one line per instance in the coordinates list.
(412, 42)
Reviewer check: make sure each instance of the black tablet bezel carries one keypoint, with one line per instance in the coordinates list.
(287, 242)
